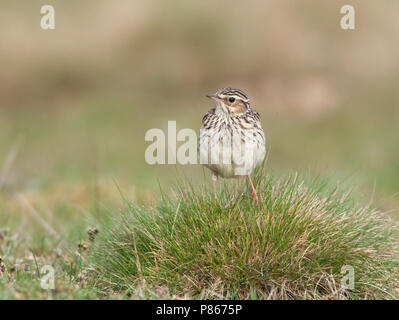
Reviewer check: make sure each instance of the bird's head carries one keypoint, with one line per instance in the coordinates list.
(231, 101)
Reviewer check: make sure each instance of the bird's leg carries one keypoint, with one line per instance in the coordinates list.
(214, 179)
(255, 195)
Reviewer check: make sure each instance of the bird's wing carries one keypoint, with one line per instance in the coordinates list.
(255, 114)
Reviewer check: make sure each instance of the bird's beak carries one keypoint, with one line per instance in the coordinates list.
(213, 96)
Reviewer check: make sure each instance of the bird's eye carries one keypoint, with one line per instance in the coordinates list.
(231, 99)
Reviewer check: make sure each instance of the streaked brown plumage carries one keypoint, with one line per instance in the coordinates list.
(231, 141)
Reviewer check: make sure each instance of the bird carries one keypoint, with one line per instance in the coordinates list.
(231, 140)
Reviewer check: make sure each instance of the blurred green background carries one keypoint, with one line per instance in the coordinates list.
(75, 102)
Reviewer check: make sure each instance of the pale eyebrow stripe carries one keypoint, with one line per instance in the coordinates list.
(234, 96)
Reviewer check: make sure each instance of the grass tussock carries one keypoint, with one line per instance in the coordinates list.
(291, 246)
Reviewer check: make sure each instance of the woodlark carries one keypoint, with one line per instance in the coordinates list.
(231, 140)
